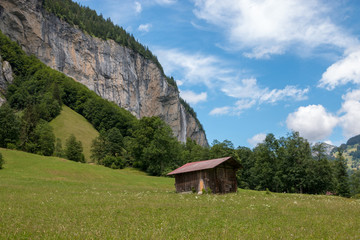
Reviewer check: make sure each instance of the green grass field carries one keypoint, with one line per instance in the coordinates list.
(52, 198)
(69, 122)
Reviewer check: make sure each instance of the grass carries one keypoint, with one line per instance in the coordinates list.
(52, 198)
(69, 122)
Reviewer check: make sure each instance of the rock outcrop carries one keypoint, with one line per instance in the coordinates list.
(6, 78)
(114, 72)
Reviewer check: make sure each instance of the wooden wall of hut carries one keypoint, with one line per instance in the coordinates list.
(221, 179)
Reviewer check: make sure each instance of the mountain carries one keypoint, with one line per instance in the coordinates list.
(353, 140)
(115, 72)
(329, 148)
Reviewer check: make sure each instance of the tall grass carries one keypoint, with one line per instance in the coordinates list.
(52, 198)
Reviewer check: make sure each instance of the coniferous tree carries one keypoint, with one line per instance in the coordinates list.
(341, 175)
(9, 126)
(58, 152)
(44, 138)
(74, 150)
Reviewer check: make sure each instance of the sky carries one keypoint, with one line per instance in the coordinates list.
(253, 67)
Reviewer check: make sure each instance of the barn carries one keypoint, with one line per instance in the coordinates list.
(219, 175)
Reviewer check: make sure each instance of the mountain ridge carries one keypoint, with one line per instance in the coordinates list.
(114, 72)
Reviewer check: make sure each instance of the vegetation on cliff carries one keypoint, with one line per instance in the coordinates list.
(36, 97)
(92, 23)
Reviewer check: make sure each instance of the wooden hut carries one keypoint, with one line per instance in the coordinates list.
(219, 175)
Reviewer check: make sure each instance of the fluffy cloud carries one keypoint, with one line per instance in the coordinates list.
(350, 120)
(346, 70)
(255, 140)
(270, 27)
(213, 73)
(250, 93)
(196, 68)
(144, 27)
(237, 109)
(220, 111)
(312, 122)
(248, 88)
(193, 98)
(138, 7)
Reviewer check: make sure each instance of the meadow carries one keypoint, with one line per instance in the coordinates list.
(53, 198)
(70, 122)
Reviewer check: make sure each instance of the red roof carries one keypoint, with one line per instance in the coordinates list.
(201, 165)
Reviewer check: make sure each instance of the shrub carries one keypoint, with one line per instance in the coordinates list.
(357, 196)
(11, 146)
(113, 162)
(1, 161)
(206, 191)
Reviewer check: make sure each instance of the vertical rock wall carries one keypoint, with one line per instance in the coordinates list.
(114, 72)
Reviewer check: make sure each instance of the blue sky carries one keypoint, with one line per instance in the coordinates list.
(253, 67)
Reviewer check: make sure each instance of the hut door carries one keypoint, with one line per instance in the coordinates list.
(201, 185)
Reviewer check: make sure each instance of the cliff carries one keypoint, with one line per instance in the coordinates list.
(114, 72)
(6, 78)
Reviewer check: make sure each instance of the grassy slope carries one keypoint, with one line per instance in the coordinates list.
(69, 122)
(48, 198)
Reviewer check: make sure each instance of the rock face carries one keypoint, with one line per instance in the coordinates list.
(114, 72)
(6, 78)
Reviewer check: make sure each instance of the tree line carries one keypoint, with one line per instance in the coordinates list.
(290, 164)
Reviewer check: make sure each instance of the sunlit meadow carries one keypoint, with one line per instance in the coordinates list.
(52, 198)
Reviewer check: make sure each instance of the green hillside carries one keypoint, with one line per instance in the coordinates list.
(69, 122)
(51, 198)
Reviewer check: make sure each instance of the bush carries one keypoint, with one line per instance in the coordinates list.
(74, 150)
(357, 196)
(113, 162)
(1, 161)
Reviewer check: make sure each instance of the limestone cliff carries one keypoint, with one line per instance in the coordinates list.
(114, 72)
(6, 78)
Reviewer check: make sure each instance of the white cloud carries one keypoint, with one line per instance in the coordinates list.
(165, 2)
(255, 140)
(144, 27)
(248, 88)
(193, 98)
(350, 120)
(346, 70)
(195, 68)
(250, 93)
(270, 27)
(313, 122)
(138, 7)
(237, 109)
(179, 83)
(220, 111)
(213, 73)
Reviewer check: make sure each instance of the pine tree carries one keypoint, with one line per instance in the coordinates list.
(341, 175)
(74, 149)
